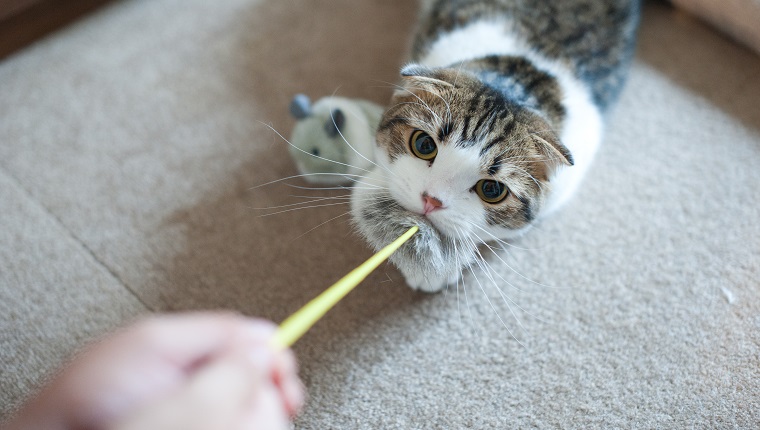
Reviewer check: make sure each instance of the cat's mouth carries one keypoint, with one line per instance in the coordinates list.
(423, 219)
(417, 216)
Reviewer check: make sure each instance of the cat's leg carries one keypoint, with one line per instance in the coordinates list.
(417, 280)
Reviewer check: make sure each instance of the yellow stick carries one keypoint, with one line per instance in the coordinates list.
(300, 322)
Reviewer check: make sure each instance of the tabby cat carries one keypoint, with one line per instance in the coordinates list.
(497, 118)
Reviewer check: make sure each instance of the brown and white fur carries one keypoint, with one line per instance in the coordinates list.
(504, 95)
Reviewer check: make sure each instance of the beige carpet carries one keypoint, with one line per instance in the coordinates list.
(130, 141)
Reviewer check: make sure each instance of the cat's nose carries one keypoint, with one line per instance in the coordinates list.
(430, 203)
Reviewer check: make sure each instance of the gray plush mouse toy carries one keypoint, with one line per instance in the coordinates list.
(337, 129)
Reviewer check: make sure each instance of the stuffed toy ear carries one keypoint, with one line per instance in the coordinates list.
(300, 106)
(335, 123)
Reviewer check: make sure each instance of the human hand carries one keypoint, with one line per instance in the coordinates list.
(187, 371)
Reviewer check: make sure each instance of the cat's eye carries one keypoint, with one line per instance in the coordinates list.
(423, 146)
(491, 191)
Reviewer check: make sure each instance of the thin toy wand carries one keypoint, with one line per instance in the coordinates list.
(300, 322)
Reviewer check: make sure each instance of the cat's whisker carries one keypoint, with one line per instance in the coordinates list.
(488, 269)
(459, 300)
(448, 106)
(356, 179)
(494, 307)
(459, 311)
(309, 153)
(545, 158)
(376, 200)
(527, 138)
(460, 67)
(505, 297)
(305, 207)
(320, 198)
(351, 146)
(374, 193)
(458, 263)
(516, 167)
(364, 186)
(362, 181)
(467, 303)
(496, 254)
(314, 200)
(386, 85)
(515, 157)
(523, 157)
(517, 272)
(513, 270)
(389, 278)
(429, 109)
(497, 274)
(320, 225)
(419, 122)
(304, 175)
(347, 198)
(496, 239)
(359, 118)
(373, 199)
(370, 188)
(449, 115)
(464, 286)
(540, 131)
(526, 174)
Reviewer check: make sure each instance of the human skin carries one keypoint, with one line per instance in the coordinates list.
(197, 371)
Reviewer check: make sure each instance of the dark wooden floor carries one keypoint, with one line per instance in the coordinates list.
(40, 19)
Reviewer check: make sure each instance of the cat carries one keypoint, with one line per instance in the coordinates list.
(496, 120)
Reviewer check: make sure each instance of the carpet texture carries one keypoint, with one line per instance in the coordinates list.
(131, 143)
(738, 18)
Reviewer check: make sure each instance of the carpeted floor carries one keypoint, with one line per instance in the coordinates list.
(130, 143)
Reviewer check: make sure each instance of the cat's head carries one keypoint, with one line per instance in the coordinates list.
(465, 157)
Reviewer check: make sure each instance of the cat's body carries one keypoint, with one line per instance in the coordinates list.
(498, 119)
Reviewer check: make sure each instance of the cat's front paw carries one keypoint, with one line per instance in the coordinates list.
(417, 280)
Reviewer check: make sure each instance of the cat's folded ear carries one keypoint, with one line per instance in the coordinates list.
(420, 78)
(555, 153)
(438, 75)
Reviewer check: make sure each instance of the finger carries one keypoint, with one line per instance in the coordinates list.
(219, 395)
(287, 381)
(186, 339)
(267, 411)
(147, 361)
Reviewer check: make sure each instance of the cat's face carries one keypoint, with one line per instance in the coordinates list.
(464, 158)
